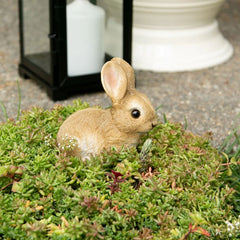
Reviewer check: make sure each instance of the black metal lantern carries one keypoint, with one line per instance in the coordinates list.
(44, 49)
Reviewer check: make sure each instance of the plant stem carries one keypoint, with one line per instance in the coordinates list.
(4, 110)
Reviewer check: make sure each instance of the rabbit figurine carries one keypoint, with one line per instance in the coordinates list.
(131, 115)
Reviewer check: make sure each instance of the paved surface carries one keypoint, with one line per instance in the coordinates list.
(209, 99)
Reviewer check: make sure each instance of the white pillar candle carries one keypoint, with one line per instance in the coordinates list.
(85, 38)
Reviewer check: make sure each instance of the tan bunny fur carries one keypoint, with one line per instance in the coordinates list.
(95, 130)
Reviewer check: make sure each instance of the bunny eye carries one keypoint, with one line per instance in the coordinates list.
(135, 113)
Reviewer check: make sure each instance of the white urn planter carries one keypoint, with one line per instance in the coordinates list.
(170, 35)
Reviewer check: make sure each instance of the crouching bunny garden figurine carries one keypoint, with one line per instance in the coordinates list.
(131, 115)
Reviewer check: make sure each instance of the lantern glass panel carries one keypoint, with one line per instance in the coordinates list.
(35, 33)
(113, 27)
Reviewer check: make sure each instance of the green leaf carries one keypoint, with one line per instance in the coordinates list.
(17, 187)
(197, 218)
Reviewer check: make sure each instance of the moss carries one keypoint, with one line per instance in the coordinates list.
(168, 188)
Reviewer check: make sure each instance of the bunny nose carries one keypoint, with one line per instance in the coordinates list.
(154, 121)
(154, 124)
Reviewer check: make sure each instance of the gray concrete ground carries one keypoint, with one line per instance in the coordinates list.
(208, 99)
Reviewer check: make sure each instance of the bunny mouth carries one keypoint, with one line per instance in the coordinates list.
(149, 129)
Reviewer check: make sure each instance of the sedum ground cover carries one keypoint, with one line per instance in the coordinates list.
(171, 187)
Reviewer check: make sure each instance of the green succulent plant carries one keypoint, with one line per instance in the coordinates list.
(170, 187)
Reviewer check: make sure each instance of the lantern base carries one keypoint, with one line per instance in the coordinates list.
(69, 87)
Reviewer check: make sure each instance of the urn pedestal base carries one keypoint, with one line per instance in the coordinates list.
(171, 35)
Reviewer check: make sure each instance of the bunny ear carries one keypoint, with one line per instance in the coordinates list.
(128, 71)
(114, 81)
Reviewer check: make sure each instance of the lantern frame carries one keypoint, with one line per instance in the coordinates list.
(58, 84)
